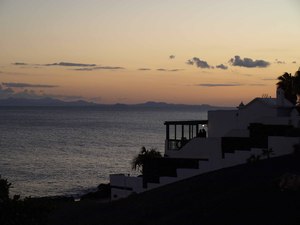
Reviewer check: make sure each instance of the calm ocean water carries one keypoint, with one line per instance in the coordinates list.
(67, 151)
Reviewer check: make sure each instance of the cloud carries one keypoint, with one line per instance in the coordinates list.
(247, 62)
(172, 57)
(219, 85)
(258, 84)
(279, 62)
(144, 69)
(175, 70)
(84, 69)
(83, 66)
(109, 68)
(6, 92)
(100, 68)
(221, 66)
(169, 70)
(70, 64)
(199, 63)
(31, 94)
(228, 84)
(269, 79)
(9, 92)
(190, 62)
(26, 85)
(19, 64)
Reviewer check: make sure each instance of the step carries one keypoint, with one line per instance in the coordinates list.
(168, 180)
(238, 157)
(186, 173)
(205, 167)
(152, 186)
(256, 151)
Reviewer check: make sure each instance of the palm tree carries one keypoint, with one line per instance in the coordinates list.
(288, 83)
(144, 155)
(297, 83)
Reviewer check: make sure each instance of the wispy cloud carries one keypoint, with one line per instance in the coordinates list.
(70, 64)
(8, 92)
(269, 79)
(100, 68)
(258, 84)
(222, 67)
(199, 63)
(228, 84)
(84, 69)
(247, 62)
(144, 69)
(20, 64)
(26, 85)
(80, 66)
(169, 70)
(219, 84)
(279, 61)
(109, 68)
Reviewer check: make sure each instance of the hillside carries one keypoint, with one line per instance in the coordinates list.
(247, 194)
(42, 102)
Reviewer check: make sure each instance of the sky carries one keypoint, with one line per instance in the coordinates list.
(132, 51)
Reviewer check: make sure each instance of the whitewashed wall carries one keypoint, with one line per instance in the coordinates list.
(199, 148)
(253, 112)
(282, 145)
(221, 122)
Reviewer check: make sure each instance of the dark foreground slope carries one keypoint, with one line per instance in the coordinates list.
(247, 194)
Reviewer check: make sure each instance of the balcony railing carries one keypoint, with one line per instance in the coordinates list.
(178, 133)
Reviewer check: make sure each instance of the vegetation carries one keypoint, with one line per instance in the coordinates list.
(15, 211)
(253, 158)
(267, 152)
(291, 86)
(144, 155)
(4, 190)
(103, 192)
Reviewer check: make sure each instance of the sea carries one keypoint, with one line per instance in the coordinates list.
(69, 151)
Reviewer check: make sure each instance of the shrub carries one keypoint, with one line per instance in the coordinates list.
(144, 155)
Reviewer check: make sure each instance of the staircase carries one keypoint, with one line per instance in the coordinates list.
(164, 171)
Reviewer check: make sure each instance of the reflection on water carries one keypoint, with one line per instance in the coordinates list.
(63, 151)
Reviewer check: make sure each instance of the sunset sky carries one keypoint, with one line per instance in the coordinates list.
(218, 52)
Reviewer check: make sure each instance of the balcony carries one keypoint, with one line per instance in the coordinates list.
(179, 133)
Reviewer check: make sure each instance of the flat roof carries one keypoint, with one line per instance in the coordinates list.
(186, 122)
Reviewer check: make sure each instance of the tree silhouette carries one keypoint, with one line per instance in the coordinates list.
(286, 83)
(144, 155)
(291, 86)
(4, 189)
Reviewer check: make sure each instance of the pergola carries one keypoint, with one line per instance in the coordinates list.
(178, 133)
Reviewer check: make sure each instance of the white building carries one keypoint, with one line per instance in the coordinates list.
(265, 127)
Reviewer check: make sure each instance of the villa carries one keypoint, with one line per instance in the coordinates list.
(263, 128)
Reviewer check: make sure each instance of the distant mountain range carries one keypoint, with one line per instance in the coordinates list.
(81, 103)
(42, 102)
